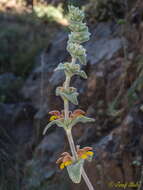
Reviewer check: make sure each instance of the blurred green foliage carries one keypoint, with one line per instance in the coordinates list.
(22, 37)
(49, 12)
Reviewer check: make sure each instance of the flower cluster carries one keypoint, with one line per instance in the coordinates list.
(72, 115)
(66, 159)
(85, 152)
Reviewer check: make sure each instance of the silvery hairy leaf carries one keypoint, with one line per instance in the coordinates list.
(79, 37)
(82, 74)
(81, 119)
(75, 14)
(71, 69)
(70, 94)
(78, 27)
(77, 51)
(58, 122)
(82, 59)
(75, 171)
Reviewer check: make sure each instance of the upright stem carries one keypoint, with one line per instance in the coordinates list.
(72, 145)
(86, 179)
(74, 153)
(69, 134)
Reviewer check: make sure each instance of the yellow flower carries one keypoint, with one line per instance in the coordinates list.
(62, 166)
(84, 156)
(64, 160)
(53, 117)
(90, 153)
(67, 163)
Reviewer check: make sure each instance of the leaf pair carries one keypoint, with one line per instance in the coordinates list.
(71, 69)
(77, 51)
(75, 14)
(80, 27)
(79, 37)
(68, 123)
(69, 94)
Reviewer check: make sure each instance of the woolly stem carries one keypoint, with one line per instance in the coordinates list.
(75, 156)
(69, 133)
(72, 145)
(87, 181)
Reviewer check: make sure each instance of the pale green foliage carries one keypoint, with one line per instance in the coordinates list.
(78, 35)
(58, 122)
(75, 171)
(71, 69)
(81, 119)
(68, 124)
(49, 12)
(68, 94)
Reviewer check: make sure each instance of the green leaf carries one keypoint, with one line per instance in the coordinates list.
(71, 69)
(79, 37)
(82, 74)
(75, 14)
(81, 119)
(58, 122)
(71, 97)
(69, 94)
(80, 27)
(82, 59)
(75, 171)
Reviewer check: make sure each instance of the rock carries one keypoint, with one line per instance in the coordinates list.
(52, 142)
(40, 84)
(43, 166)
(57, 78)
(9, 87)
(16, 132)
(102, 44)
(16, 119)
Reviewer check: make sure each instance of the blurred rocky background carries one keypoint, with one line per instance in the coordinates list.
(33, 38)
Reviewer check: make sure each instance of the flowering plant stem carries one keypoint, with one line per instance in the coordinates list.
(66, 118)
(74, 154)
(70, 137)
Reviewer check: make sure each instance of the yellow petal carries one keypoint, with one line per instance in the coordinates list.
(67, 163)
(84, 156)
(62, 166)
(90, 153)
(53, 117)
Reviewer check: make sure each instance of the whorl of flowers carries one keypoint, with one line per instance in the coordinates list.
(66, 119)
